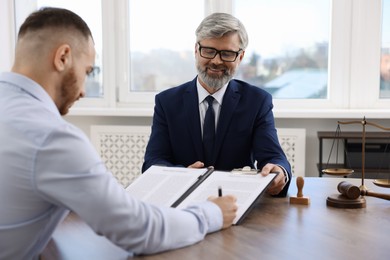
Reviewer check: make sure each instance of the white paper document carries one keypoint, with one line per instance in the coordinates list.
(247, 188)
(162, 185)
(178, 187)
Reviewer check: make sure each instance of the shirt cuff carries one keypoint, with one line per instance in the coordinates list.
(286, 176)
(213, 215)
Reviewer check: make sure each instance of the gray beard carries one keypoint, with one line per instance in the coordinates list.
(214, 83)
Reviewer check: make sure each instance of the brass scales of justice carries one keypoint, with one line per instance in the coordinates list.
(352, 196)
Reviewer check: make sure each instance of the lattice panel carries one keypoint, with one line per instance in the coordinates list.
(122, 149)
(292, 141)
(288, 146)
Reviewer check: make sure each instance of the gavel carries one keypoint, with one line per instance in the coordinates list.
(353, 192)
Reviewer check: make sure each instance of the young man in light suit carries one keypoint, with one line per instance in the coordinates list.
(244, 124)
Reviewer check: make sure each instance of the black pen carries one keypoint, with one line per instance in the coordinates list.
(219, 191)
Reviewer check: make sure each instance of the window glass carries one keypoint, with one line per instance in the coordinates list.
(90, 11)
(385, 51)
(162, 42)
(288, 46)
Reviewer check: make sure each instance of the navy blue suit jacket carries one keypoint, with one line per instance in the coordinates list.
(245, 131)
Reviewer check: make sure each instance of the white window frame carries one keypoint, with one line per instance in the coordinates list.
(338, 70)
(109, 82)
(365, 56)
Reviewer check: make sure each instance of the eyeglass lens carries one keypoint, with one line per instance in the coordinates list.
(210, 53)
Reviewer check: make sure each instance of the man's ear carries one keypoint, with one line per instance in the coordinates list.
(242, 54)
(62, 57)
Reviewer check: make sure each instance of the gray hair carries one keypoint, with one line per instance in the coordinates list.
(217, 25)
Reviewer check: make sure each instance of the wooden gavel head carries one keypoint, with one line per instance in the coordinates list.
(348, 190)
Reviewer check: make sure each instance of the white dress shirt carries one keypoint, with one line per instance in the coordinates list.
(203, 105)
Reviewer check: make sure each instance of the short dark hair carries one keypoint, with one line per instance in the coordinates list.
(50, 17)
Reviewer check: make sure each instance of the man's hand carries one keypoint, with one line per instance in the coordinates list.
(228, 207)
(197, 164)
(279, 182)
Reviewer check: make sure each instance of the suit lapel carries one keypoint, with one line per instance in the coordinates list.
(191, 106)
(229, 104)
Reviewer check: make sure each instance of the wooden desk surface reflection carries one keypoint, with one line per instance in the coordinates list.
(273, 230)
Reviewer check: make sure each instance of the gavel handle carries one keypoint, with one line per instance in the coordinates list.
(374, 194)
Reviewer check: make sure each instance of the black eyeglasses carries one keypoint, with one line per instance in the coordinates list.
(210, 53)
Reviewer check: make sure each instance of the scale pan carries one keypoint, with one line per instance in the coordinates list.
(382, 183)
(338, 171)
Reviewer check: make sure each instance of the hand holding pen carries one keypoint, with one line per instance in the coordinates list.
(228, 206)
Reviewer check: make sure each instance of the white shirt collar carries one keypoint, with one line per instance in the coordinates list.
(202, 93)
(30, 86)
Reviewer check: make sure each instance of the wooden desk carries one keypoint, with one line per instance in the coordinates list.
(273, 230)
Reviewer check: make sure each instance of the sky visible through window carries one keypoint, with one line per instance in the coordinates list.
(385, 52)
(162, 42)
(288, 46)
(276, 26)
(170, 24)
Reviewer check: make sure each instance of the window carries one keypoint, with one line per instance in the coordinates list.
(160, 47)
(385, 51)
(287, 57)
(90, 11)
(310, 55)
(288, 46)
(162, 52)
(288, 52)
